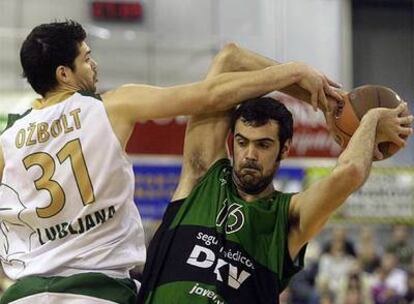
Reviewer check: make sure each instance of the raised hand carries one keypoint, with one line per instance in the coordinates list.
(394, 125)
(318, 85)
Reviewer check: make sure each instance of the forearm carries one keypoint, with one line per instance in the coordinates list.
(360, 148)
(215, 94)
(228, 89)
(314, 206)
(235, 58)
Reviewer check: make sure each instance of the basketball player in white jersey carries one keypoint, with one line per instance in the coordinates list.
(69, 229)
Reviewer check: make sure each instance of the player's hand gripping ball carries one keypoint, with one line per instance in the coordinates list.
(347, 116)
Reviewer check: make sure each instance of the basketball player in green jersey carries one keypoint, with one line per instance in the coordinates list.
(70, 231)
(229, 236)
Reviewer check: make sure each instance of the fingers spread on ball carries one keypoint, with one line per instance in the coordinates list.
(406, 120)
(333, 83)
(333, 93)
(406, 131)
(322, 99)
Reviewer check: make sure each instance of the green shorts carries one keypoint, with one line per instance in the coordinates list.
(79, 288)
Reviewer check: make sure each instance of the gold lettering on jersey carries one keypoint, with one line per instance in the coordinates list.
(66, 128)
(76, 119)
(77, 226)
(30, 141)
(55, 128)
(41, 132)
(20, 138)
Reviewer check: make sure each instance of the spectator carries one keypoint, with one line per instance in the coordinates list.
(381, 293)
(390, 282)
(409, 295)
(355, 288)
(327, 298)
(334, 266)
(340, 234)
(401, 245)
(367, 251)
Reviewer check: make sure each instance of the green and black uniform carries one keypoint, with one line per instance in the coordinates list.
(213, 247)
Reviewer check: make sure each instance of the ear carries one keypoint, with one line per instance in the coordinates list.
(230, 144)
(286, 149)
(63, 74)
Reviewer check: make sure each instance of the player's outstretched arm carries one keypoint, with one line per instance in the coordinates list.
(310, 209)
(242, 59)
(130, 103)
(218, 93)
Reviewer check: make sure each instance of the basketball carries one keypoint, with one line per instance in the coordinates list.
(358, 102)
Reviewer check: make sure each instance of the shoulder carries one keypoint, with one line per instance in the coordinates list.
(125, 91)
(91, 95)
(124, 101)
(12, 118)
(220, 168)
(279, 207)
(217, 174)
(294, 207)
(283, 200)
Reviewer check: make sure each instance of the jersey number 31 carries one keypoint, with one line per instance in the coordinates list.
(72, 150)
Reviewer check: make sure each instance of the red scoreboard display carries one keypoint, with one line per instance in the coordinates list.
(126, 11)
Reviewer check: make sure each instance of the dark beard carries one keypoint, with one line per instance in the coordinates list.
(252, 188)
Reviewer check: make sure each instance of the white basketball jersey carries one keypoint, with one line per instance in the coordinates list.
(66, 199)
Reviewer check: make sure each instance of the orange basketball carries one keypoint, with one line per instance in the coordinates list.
(358, 102)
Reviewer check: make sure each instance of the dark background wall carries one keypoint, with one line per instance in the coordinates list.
(383, 50)
(383, 44)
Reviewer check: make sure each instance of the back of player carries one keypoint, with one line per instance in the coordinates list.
(67, 194)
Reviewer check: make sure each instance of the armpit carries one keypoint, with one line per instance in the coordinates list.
(198, 164)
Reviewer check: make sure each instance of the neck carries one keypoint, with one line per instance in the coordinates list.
(61, 89)
(252, 197)
(52, 97)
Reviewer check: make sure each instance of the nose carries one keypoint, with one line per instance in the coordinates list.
(251, 153)
(94, 64)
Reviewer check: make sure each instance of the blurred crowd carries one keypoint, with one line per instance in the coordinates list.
(360, 269)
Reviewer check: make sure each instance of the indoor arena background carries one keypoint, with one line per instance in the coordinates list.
(167, 42)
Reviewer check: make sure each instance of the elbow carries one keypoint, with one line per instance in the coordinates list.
(226, 58)
(354, 175)
(216, 97)
(228, 52)
(230, 47)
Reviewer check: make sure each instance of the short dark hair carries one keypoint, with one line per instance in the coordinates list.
(47, 47)
(259, 111)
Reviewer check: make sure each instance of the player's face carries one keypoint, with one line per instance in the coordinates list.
(255, 156)
(85, 72)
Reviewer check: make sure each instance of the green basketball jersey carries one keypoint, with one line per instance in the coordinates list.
(213, 247)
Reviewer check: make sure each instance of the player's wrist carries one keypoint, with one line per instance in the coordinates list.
(296, 70)
(372, 116)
